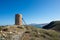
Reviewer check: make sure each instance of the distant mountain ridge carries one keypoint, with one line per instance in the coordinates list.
(55, 25)
(38, 25)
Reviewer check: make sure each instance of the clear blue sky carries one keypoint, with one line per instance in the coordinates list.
(33, 11)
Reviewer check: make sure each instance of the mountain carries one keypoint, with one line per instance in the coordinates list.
(55, 25)
(38, 25)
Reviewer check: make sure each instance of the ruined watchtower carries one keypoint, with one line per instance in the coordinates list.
(18, 19)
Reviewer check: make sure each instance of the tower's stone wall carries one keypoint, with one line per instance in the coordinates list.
(18, 19)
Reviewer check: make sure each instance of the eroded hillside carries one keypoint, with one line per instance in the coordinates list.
(27, 33)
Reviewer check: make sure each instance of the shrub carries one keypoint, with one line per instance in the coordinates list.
(0, 28)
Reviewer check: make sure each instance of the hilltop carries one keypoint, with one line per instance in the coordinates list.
(55, 25)
(27, 33)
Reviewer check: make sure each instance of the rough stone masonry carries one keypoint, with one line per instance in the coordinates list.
(18, 19)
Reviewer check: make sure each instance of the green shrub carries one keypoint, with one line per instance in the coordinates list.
(0, 28)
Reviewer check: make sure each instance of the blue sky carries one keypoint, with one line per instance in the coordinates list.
(33, 11)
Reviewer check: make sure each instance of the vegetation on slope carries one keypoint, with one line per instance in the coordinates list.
(40, 34)
(28, 33)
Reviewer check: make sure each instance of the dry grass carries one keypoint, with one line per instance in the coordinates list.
(28, 33)
(42, 34)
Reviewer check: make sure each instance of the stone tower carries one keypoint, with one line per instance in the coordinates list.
(18, 19)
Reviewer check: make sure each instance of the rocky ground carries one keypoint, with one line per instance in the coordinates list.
(27, 33)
